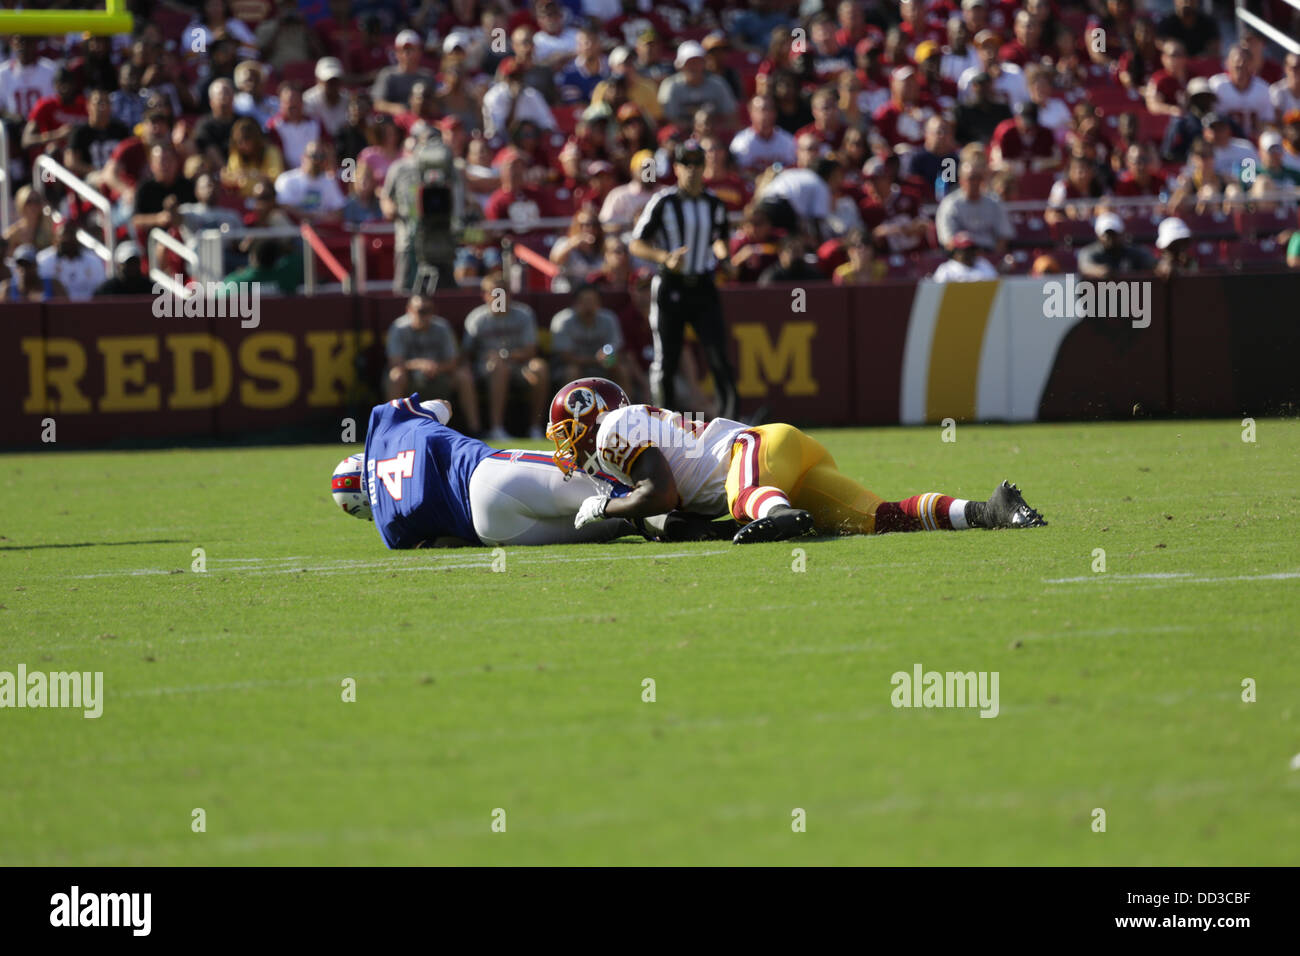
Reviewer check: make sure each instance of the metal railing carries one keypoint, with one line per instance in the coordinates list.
(165, 239)
(1266, 29)
(4, 179)
(314, 246)
(46, 170)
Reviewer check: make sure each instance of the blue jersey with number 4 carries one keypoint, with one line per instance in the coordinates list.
(417, 475)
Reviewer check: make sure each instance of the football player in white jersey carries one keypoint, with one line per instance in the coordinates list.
(466, 493)
(777, 482)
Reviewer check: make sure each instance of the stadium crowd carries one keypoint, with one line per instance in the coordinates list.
(854, 140)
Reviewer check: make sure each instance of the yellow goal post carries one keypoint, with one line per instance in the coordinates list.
(113, 19)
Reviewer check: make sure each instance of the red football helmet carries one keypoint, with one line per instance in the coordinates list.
(576, 413)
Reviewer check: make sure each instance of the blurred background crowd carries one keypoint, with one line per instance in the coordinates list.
(853, 141)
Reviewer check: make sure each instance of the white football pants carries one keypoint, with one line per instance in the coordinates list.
(525, 500)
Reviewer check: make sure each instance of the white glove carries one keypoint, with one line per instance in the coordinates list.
(593, 509)
(440, 408)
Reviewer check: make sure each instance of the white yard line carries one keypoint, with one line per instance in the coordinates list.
(342, 566)
(1177, 577)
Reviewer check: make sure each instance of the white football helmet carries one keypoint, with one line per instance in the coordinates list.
(348, 485)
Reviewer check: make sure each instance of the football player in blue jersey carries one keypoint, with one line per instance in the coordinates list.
(424, 484)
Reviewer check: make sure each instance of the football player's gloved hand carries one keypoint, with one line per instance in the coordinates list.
(593, 509)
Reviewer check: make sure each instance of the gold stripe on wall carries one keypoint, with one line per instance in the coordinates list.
(952, 384)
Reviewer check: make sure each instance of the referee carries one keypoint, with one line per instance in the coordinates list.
(684, 229)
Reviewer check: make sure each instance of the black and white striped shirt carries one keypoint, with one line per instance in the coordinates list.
(672, 219)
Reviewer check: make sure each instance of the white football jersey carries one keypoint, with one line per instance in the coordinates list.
(1251, 109)
(79, 275)
(698, 452)
(22, 87)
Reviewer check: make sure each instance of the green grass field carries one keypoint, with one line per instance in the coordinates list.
(522, 690)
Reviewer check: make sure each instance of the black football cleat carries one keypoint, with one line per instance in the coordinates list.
(685, 526)
(1006, 508)
(780, 524)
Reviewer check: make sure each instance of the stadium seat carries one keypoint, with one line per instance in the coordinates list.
(1253, 254)
(1209, 255)
(1037, 185)
(1211, 224)
(1031, 229)
(566, 117)
(560, 198)
(1151, 126)
(1073, 232)
(303, 73)
(1141, 222)
(1252, 223)
(379, 258)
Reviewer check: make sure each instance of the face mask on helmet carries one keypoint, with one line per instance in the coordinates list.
(576, 414)
(348, 487)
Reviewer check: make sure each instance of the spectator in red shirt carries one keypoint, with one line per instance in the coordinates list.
(515, 201)
(1082, 181)
(615, 267)
(754, 245)
(869, 58)
(1027, 45)
(902, 119)
(890, 215)
(828, 123)
(1116, 26)
(1144, 59)
(1021, 143)
(917, 26)
(421, 107)
(720, 179)
(540, 164)
(595, 185)
(853, 25)
(1165, 89)
(52, 118)
(933, 89)
(1140, 177)
(130, 158)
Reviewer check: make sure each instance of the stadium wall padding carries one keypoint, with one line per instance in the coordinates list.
(111, 372)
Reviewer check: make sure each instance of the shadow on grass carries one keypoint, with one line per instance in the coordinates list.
(86, 544)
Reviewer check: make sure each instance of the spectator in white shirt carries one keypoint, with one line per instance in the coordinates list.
(509, 101)
(25, 78)
(809, 193)
(250, 98)
(1230, 152)
(966, 264)
(1241, 94)
(1053, 114)
(1008, 81)
(555, 43)
(78, 269)
(959, 56)
(325, 101)
(310, 191)
(762, 142)
(623, 204)
(1285, 93)
(294, 127)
